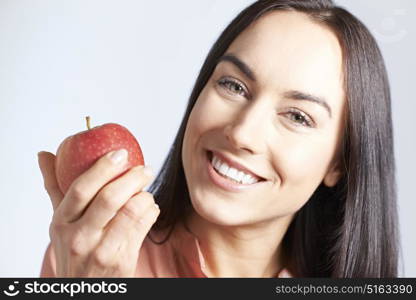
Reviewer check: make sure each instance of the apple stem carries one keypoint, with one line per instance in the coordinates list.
(88, 122)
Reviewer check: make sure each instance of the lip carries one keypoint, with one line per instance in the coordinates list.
(225, 183)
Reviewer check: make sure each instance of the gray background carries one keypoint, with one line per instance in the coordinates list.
(134, 63)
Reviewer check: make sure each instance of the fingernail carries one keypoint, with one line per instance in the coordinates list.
(148, 171)
(119, 156)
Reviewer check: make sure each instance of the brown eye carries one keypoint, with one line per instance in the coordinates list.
(232, 86)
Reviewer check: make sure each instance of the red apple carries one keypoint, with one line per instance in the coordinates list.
(79, 152)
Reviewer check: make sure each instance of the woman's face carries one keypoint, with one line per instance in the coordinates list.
(273, 105)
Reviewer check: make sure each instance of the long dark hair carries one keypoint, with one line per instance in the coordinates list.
(349, 230)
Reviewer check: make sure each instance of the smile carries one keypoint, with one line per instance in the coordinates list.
(230, 178)
(234, 174)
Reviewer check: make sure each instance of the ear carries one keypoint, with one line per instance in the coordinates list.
(334, 174)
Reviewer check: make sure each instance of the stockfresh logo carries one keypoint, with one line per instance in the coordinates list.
(11, 289)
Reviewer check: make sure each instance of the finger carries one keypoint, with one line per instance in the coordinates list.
(114, 195)
(46, 161)
(140, 231)
(87, 185)
(134, 220)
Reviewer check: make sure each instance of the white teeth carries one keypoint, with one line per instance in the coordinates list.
(240, 176)
(223, 169)
(216, 162)
(247, 179)
(232, 173)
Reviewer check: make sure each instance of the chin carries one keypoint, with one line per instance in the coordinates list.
(219, 213)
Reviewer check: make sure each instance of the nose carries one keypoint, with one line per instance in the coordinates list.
(247, 131)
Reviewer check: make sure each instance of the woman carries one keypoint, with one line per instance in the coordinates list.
(283, 165)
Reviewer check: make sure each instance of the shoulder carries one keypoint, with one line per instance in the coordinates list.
(156, 256)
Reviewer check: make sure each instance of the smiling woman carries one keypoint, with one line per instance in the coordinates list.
(284, 158)
(283, 164)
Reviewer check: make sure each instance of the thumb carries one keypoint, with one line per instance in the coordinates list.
(46, 161)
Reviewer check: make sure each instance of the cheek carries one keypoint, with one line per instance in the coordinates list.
(301, 165)
(304, 156)
(200, 121)
(205, 116)
(306, 161)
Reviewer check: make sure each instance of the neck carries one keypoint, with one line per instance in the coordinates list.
(252, 250)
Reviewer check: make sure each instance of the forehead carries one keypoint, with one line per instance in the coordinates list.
(288, 50)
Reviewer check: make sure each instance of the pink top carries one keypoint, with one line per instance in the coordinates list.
(179, 256)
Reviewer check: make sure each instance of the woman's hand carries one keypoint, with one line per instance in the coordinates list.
(98, 226)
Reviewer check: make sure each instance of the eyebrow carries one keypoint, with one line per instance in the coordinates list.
(292, 94)
(239, 64)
